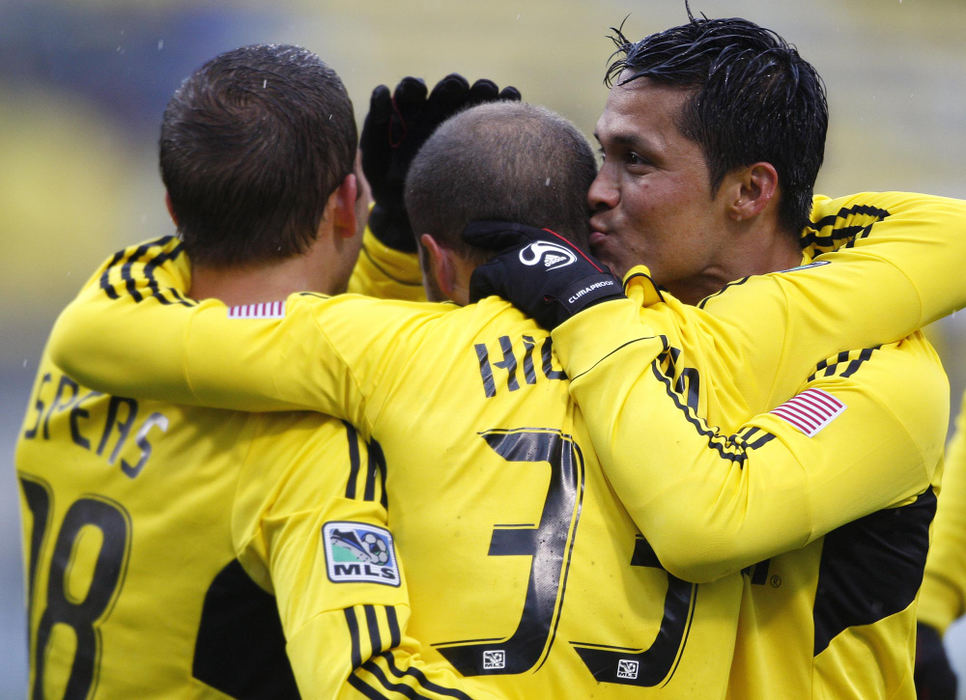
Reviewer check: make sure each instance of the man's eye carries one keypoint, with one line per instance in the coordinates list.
(633, 159)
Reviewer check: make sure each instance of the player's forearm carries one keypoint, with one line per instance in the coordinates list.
(712, 503)
(111, 346)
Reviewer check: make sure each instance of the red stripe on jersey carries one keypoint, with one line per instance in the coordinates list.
(810, 411)
(275, 309)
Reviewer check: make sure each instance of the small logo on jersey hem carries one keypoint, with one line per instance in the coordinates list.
(274, 309)
(811, 411)
(627, 669)
(359, 553)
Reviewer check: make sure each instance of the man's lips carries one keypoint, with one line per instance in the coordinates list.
(596, 241)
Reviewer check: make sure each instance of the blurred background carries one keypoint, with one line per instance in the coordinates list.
(84, 83)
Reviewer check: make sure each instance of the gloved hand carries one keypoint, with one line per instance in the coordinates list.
(934, 676)
(540, 272)
(393, 132)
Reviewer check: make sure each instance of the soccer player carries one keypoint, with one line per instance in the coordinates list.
(943, 596)
(175, 551)
(712, 137)
(498, 507)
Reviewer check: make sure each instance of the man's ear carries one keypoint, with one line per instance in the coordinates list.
(755, 186)
(439, 269)
(170, 206)
(344, 219)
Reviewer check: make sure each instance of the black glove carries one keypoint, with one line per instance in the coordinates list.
(393, 132)
(934, 676)
(540, 272)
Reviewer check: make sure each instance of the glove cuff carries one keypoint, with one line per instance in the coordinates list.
(588, 291)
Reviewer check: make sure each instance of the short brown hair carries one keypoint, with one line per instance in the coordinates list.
(506, 161)
(252, 145)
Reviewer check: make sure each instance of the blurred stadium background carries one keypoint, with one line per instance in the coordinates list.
(84, 84)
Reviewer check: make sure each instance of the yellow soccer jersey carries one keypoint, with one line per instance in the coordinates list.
(302, 360)
(335, 358)
(173, 551)
(943, 596)
(852, 497)
(524, 570)
(386, 273)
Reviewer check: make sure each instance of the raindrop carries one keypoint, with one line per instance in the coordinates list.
(160, 44)
(265, 83)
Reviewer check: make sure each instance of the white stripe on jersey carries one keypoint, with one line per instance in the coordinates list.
(275, 309)
(810, 411)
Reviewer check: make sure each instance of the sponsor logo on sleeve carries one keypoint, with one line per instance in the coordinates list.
(360, 553)
(274, 309)
(810, 411)
(550, 255)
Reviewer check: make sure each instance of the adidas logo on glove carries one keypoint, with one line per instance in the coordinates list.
(550, 255)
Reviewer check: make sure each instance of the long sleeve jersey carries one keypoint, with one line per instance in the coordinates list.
(179, 551)
(451, 393)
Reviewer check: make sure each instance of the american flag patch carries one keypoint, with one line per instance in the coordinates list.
(810, 411)
(274, 309)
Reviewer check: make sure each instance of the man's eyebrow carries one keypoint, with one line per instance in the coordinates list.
(624, 139)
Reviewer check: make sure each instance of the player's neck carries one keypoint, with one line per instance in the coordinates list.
(255, 284)
(755, 253)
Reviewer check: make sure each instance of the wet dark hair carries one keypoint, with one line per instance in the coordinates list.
(252, 145)
(754, 98)
(507, 161)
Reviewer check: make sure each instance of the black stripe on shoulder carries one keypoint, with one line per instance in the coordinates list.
(123, 261)
(824, 233)
(844, 364)
(160, 259)
(754, 437)
(727, 447)
(736, 283)
(373, 477)
(354, 462)
(377, 471)
(105, 276)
